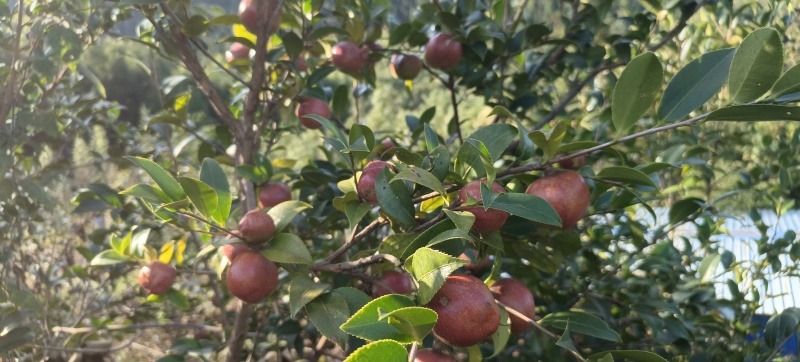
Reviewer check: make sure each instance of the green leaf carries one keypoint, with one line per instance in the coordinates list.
(756, 66)
(148, 193)
(177, 299)
(501, 336)
(318, 75)
(635, 90)
(163, 179)
(431, 268)
(394, 199)
(355, 211)
(682, 209)
(755, 113)
(440, 160)
(788, 83)
(638, 356)
(462, 219)
(340, 102)
(781, 326)
(416, 322)
(139, 242)
(396, 244)
(254, 174)
(565, 341)
(284, 212)
(528, 207)
(581, 322)
(379, 351)
(16, 338)
(328, 312)
(368, 324)
(121, 245)
(287, 248)
(212, 174)
(474, 155)
(303, 290)
(109, 257)
(356, 299)
(339, 141)
(422, 177)
(695, 84)
(652, 6)
(195, 26)
(399, 33)
(139, 2)
(625, 175)
(474, 353)
(293, 44)
(496, 138)
(708, 267)
(203, 197)
(550, 141)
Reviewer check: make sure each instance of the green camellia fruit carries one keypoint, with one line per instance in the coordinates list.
(157, 278)
(257, 227)
(467, 311)
(251, 277)
(518, 297)
(442, 52)
(486, 221)
(568, 194)
(310, 106)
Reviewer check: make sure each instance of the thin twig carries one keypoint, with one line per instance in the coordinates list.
(451, 85)
(537, 326)
(355, 264)
(354, 239)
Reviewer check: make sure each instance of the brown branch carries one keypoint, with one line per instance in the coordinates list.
(354, 239)
(124, 327)
(355, 264)
(538, 326)
(451, 85)
(10, 96)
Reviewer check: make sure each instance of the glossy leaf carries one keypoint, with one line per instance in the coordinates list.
(203, 197)
(635, 90)
(695, 84)
(421, 177)
(756, 66)
(383, 351)
(368, 324)
(788, 83)
(394, 199)
(528, 207)
(303, 290)
(177, 299)
(328, 312)
(283, 213)
(148, 193)
(756, 113)
(581, 322)
(416, 322)
(549, 141)
(109, 257)
(636, 356)
(430, 269)
(212, 174)
(162, 178)
(501, 336)
(625, 175)
(287, 248)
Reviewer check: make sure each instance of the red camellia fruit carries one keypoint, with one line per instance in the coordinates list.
(442, 52)
(348, 57)
(405, 66)
(471, 255)
(486, 221)
(574, 163)
(237, 51)
(157, 278)
(273, 193)
(251, 277)
(430, 355)
(467, 311)
(232, 250)
(393, 282)
(257, 227)
(366, 183)
(248, 14)
(566, 192)
(518, 297)
(312, 106)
